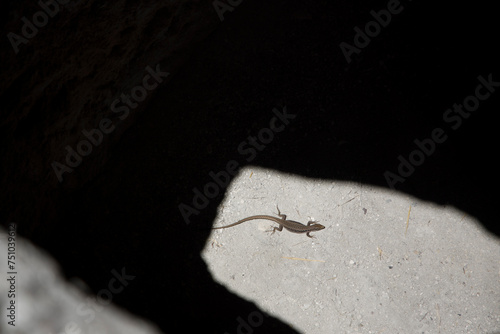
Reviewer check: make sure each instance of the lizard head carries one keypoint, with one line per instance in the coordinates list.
(316, 225)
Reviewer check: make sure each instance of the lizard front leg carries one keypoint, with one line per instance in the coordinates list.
(312, 222)
(280, 215)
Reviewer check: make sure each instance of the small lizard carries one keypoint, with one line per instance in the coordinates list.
(290, 225)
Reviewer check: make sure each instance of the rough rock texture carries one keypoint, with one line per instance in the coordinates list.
(64, 78)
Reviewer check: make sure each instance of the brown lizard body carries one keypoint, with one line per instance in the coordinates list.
(289, 225)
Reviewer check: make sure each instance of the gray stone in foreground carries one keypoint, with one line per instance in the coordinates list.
(46, 303)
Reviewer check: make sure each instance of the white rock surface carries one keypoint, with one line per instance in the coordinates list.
(368, 271)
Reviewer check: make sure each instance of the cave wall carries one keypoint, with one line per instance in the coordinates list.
(70, 70)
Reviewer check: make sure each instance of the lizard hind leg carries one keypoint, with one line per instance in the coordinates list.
(274, 229)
